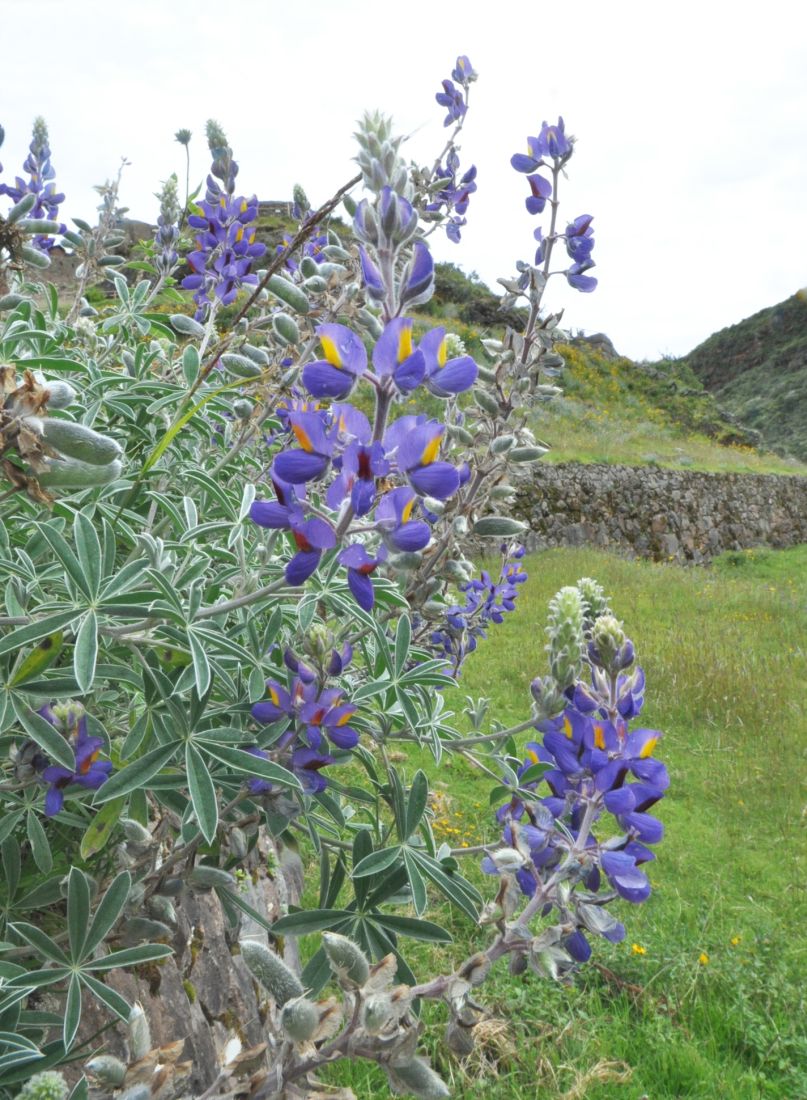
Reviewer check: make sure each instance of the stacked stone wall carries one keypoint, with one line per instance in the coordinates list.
(663, 514)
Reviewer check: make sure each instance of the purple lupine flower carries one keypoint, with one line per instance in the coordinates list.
(311, 536)
(541, 191)
(360, 567)
(311, 460)
(552, 140)
(576, 277)
(464, 72)
(418, 283)
(373, 283)
(39, 183)
(417, 444)
(394, 355)
(485, 602)
(625, 877)
(452, 99)
(393, 518)
(328, 713)
(225, 244)
(345, 361)
(453, 195)
(361, 465)
(90, 772)
(445, 376)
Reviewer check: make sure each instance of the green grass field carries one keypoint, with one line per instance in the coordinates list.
(705, 998)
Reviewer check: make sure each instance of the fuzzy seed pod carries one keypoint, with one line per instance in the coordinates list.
(107, 1070)
(418, 1078)
(139, 1033)
(72, 474)
(271, 971)
(347, 961)
(206, 878)
(299, 1019)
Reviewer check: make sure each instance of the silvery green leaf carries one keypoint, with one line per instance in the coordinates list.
(85, 652)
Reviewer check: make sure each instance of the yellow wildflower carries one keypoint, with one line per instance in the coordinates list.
(703, 959)
(637, 949)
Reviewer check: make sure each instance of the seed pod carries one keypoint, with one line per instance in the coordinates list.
(418, 1078)
(299, 1019)
(486, 402)
(78, 441)
(243, 408)
(289, 293)
(206, 878)
(498, 527)
(459, 1039)
(240, 365)
(60, 395)
(20, 209)
(347, 961)
(257, 355)
(315, 284)
(462, 435)
(484, 374)
(139, 1033)
(501, 444)
(136, 1092)
(502, 492)
(526, 454)
(271, 971)
(137, 835)
(286, 328)
(107, 1070)
(186, 325)
(71, 474)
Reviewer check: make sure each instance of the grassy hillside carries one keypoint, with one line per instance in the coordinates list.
(758, 370)
(705, 998)
(612, 409)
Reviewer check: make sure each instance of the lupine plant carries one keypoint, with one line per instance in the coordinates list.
(238, 571)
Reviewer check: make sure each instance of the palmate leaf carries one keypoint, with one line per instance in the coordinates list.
(37, 838)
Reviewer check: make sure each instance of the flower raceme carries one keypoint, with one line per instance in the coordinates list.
(382, 473)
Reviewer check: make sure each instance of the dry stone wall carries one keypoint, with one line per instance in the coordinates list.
(652, 512)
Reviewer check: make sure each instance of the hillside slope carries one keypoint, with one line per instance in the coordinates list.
(612, 409)
(758, 370)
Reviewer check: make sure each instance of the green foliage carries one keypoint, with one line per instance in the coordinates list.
(758, 370)
(653, 1019)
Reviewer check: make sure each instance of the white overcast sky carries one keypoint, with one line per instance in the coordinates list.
(691, 119)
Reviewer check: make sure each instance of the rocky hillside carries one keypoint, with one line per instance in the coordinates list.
(758, 370)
